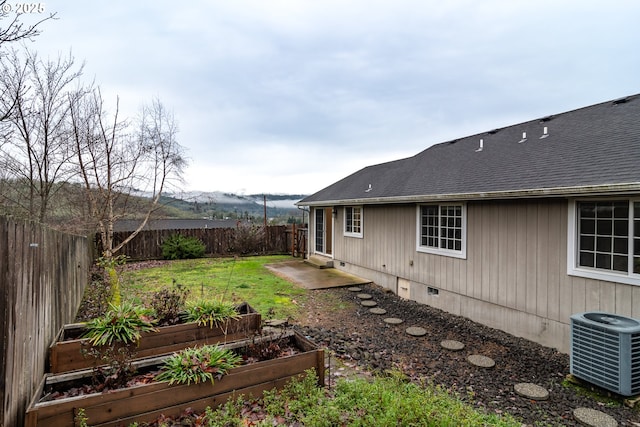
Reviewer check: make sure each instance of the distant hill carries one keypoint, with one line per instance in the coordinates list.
(217, 204)
(281, 200)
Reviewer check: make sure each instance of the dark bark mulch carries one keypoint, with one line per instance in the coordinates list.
(356, 335)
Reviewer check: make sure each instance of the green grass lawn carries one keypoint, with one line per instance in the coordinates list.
(231, 279)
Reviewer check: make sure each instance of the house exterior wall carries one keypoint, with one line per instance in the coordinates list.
(514, 276)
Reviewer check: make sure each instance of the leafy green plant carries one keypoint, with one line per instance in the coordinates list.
(169, 304)
(214, 312)
(381, 401)
(227, 415)
(358, 402)
(81, 419)
(120, 324)
(197, 365)
(178, 246)
(301, 395)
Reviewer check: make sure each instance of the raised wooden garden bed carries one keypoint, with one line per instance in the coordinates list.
(146, 402)
(73, 354)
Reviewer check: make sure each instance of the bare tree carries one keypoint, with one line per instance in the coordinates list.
(116, 164)
(37, 147)
(12, 29)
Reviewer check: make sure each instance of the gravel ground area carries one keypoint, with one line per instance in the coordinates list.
(365, 343)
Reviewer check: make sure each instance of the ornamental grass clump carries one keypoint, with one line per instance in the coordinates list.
(197, 365)
(214, 312)
(120, 324)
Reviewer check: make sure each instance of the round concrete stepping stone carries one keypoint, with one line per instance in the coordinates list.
(416, 331)
(377, 310)
(364, 296)
(393, 320)
(369, 303)
(531, 391)
(354, 289)
(593, 418)
(481, 361)
(452, 345)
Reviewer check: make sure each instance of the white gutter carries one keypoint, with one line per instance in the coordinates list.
(591, 190)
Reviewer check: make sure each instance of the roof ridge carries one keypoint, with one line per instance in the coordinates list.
(546, 118)
(595, 146)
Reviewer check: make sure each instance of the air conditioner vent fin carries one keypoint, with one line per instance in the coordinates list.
(605, 350)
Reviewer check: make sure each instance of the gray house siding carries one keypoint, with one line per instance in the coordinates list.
(514, 276)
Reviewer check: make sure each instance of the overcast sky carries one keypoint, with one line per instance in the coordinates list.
(290, 96)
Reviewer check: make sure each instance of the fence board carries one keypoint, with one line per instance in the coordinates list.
(43, 274)
(218, 241)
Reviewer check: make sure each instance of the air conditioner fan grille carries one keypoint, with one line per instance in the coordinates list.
(605, 350)
(596, 355)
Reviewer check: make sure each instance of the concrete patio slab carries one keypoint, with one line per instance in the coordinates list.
(309, 277)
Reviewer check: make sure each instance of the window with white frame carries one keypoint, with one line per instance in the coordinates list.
(353, 221)
(604, 238)
(442, 229)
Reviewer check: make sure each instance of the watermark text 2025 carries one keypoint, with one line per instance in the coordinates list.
(23, 7)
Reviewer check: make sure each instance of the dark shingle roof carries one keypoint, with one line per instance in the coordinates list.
(595, 149)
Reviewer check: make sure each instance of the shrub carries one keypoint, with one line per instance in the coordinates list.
(123, 324)
(169, 304)
(248, 239)
(178, 246)
(197, 365)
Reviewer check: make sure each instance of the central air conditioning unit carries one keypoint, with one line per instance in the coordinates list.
(605, 351)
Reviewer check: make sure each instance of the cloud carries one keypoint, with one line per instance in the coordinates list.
(288, 96)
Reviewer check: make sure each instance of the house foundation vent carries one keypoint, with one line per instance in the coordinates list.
(404, 288)
(605, 351)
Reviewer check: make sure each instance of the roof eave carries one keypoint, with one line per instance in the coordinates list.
(590, 190)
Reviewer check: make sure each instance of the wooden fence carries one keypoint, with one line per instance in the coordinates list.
(275, 239)
(43, 274)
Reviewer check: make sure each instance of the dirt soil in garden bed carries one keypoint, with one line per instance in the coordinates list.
(365, 343)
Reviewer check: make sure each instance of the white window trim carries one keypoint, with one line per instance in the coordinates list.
(344, 223)
(573, 269)
(438, 251)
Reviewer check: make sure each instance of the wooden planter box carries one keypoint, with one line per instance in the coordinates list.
(145, 403)
(71, 355)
